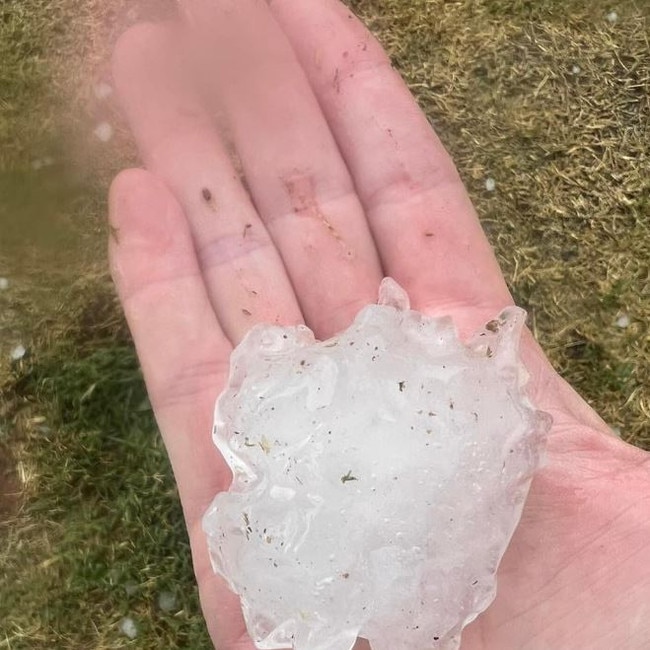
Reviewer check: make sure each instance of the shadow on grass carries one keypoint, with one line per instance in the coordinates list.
(100, 534)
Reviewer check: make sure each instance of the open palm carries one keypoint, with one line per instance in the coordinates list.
(345, 182)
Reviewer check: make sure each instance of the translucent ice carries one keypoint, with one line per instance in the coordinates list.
(378, 477)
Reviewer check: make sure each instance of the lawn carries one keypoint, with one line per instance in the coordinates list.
(545, 107)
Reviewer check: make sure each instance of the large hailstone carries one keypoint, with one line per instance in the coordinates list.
(378, 477)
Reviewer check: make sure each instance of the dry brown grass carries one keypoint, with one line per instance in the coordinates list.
(569, 150)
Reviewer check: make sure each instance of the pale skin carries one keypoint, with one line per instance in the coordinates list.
(346, 183)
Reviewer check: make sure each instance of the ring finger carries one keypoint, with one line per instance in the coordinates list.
(244, 274)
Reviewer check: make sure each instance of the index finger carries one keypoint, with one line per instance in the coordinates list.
(425, 226)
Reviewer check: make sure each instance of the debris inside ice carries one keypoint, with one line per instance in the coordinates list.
(377, 477)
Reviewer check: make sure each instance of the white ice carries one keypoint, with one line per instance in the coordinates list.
(378, 477)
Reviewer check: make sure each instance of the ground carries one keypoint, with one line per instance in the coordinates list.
(544, 106)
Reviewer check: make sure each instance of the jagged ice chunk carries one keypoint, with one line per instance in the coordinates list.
(377, 477)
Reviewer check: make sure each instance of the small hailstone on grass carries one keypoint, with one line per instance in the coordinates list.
(576, 69)
(131, 588)
(490, 184)
(40, 163)
(18, 352)
(104, 131)
(4, 284)
(167, 601)
(612, 17)
(128, 627)
(623, 321)
(103, 90)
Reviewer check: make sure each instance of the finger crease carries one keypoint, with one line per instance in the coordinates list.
(225, 249)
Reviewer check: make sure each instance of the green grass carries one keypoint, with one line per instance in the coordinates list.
(90, 525)
(100, 535)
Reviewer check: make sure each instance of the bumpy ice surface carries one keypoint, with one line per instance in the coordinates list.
(378, 477)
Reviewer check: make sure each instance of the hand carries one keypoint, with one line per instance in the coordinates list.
(346, 183)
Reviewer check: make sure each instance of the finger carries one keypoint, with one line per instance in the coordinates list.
(244, 274)
(427, 232)
(184, 356)
(426, 229)
(182, 350)
(298, 179)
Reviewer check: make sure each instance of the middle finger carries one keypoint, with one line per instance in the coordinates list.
(300, 184)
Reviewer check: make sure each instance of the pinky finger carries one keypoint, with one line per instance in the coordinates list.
(184, 356)
(182, 350)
